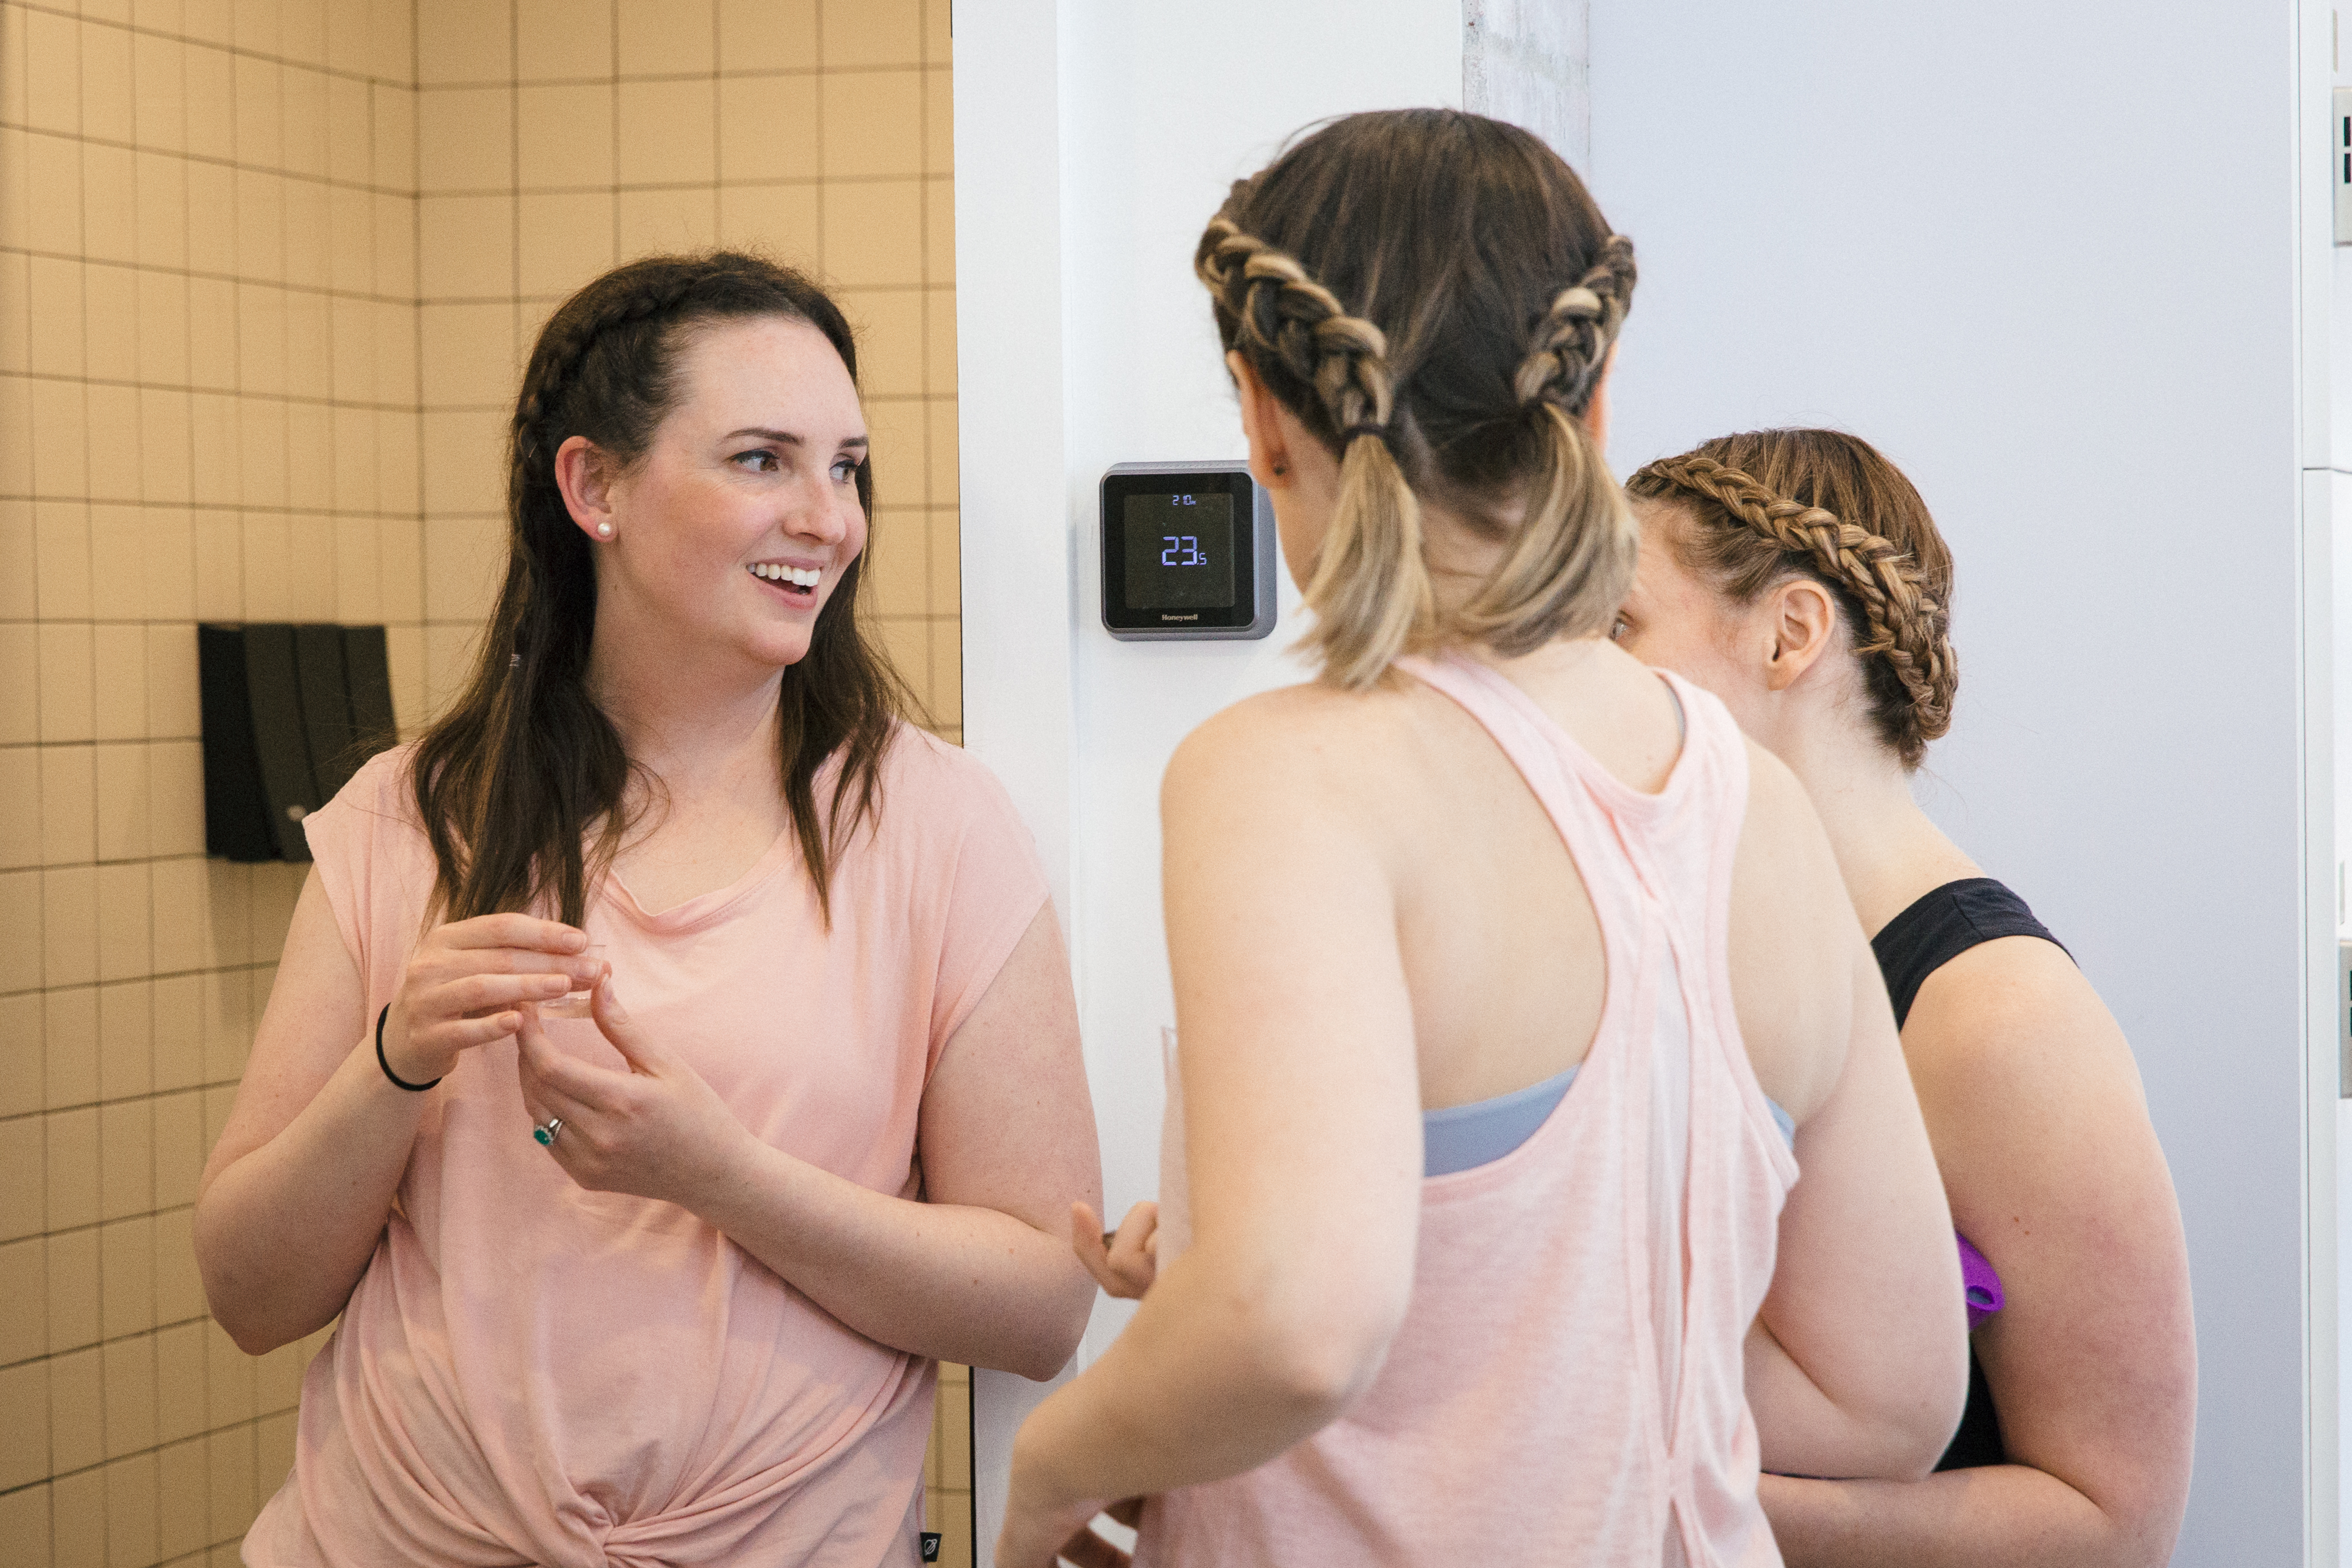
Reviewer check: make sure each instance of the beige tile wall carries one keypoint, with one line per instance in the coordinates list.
(265, 267)
(207, 409)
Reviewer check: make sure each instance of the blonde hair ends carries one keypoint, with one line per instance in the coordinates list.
(1371, 592)
(1571, 561)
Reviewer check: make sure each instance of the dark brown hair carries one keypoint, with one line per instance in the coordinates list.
(513, 777)
(1433, 295)
(1775, 504)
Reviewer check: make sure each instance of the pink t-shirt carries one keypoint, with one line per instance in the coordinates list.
(531, 1373)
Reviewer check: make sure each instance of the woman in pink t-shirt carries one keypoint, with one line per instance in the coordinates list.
(662, 1278)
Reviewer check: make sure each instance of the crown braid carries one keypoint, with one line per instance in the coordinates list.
(1903, 625)
(1572, 340)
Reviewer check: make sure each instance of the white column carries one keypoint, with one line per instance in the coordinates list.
(1529, 62)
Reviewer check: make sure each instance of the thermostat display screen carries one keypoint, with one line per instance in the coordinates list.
(1180, 551)
(1187, 552)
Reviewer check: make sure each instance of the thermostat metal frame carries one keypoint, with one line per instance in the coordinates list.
(1253, 613)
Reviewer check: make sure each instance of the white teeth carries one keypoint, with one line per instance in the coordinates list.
(797, 576)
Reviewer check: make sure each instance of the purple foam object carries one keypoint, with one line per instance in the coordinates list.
(1979, 1282)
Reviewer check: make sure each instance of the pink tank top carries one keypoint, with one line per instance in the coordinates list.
(1567, 1386)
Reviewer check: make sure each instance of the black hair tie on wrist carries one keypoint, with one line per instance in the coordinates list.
(397, 1080)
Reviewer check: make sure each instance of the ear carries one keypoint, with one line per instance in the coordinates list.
(584, 474)
(1270, 460)
(1596, 409)
(1802, 619)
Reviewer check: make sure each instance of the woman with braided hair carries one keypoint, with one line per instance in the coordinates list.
(662, 1280)
(1798, 575)
(1506, 973)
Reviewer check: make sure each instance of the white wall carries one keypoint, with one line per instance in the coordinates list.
(2052, 257)
(2048, 257)
(1093, 142)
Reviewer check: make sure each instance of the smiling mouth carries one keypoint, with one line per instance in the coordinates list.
(797, 584)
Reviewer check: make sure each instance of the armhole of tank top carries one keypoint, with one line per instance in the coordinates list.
(1682, 718)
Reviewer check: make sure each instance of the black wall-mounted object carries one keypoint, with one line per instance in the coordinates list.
(1188, 553)
(289, 714)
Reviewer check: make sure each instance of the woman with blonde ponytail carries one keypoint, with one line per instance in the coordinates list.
(1409, 1297)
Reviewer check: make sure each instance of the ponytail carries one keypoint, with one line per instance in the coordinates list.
(1371, 592)
(1571, 562)
(1369, 588)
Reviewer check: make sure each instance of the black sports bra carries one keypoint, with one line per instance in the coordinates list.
(1938, 929)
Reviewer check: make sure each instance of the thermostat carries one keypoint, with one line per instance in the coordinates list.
(1187, 552)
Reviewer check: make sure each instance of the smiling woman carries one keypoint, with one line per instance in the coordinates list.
(666, 1283)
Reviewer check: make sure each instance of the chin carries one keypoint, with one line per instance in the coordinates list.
(779, 652)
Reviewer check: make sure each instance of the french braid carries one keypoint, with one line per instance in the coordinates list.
(1571, 342)
(1904, 627)
(1301, 323)
(1570, 561)
(1370, 589)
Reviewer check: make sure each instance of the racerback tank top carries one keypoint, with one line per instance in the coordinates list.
(1937, 928)
(1567, 1386)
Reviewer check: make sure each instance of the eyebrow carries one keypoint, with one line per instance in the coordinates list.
(785, 437)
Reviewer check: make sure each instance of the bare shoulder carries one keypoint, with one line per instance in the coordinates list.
(1272, 745)
(1785, 862)
(2012, 1023)
(1778, 806)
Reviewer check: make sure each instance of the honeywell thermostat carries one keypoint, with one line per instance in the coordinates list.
(1187, 552)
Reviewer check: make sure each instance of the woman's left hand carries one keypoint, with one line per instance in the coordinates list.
(657, 1129)
(1037, 1535)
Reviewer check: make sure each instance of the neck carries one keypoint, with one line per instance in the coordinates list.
(1888, 849)
(697, 721)
(1459, 558)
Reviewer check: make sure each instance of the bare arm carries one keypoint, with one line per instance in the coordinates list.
(978, 1273)
(1857, 1365)
(2040, 1126)
(296, 1192)
(1302, 1112)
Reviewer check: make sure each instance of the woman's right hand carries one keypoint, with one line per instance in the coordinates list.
(465, 980)
(1125, 1262)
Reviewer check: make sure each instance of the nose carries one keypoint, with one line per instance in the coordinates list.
(823, 515)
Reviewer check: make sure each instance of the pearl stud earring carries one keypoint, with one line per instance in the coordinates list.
(603, 530)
